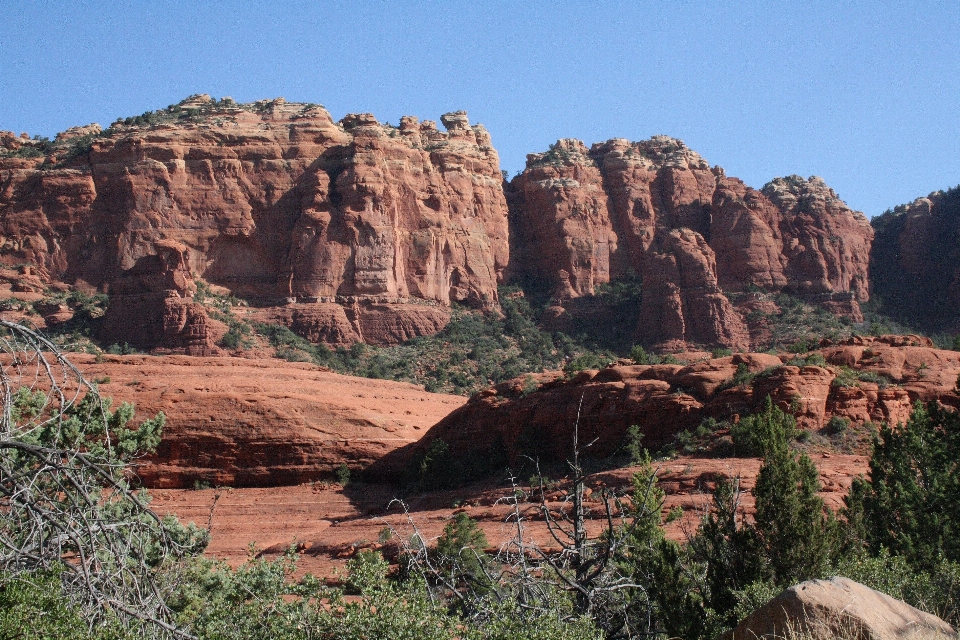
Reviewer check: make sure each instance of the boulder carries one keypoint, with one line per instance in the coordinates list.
(839, 608)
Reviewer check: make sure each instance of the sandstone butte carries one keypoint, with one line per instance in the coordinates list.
(367, 232)
(915, 262)
(357, 231)
(581, 217)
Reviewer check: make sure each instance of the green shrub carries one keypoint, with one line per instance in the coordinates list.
(366, 572)
(761, 432)
(909, 505)
(800, 346)
(639, 355)
(460, 547)
(638, 454)
(798, 533)
(231, 339)
(584, 361)
(32, 607)
(742, 377)
(837, 425)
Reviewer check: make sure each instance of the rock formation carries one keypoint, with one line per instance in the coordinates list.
(262, 422)
(361, 231)
(581, 217)
(915, 262)
(839, 608)
(862, 379)
(274, 201)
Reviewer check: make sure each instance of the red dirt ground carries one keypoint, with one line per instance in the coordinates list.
(329, 523)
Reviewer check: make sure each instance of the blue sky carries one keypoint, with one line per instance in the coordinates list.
(866, 95)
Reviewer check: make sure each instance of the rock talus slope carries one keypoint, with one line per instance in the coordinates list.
(274, 201)
(581, 217)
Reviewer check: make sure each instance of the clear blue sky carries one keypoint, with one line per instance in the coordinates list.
(866, 95)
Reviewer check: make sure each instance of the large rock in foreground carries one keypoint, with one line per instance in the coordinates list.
(839, 608)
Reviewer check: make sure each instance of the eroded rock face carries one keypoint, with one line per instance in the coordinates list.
(262, 422)
(863, 379)
(915, 262)
(275, 202)
(839, 608)
(655, 208)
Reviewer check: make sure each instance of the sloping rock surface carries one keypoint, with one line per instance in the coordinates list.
(264, 422)
(839, 608)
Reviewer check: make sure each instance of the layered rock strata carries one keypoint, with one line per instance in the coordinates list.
(863, 379)
(262, 422)
(581, 217)
(274, 201)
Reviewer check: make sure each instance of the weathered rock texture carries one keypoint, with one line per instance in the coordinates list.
(839, 608)
(274, 201)
(581, 217)
(863, 379)
(915, 262)
(263, 422)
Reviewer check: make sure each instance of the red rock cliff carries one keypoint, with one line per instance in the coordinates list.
(276, 202)
(582, 217)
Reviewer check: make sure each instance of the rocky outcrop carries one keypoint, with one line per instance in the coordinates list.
(275, 202)
(839, 608)
(581, 217)
(682, 302)
(151, 304)
(862, 379)
(915, 262)
(262, 422)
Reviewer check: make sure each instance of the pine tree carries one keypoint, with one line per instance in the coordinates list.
(797, 532)
(729, 548)
(910, 505)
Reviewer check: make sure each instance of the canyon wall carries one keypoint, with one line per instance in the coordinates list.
(275, 202)
(360, 231)
(581, 217)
